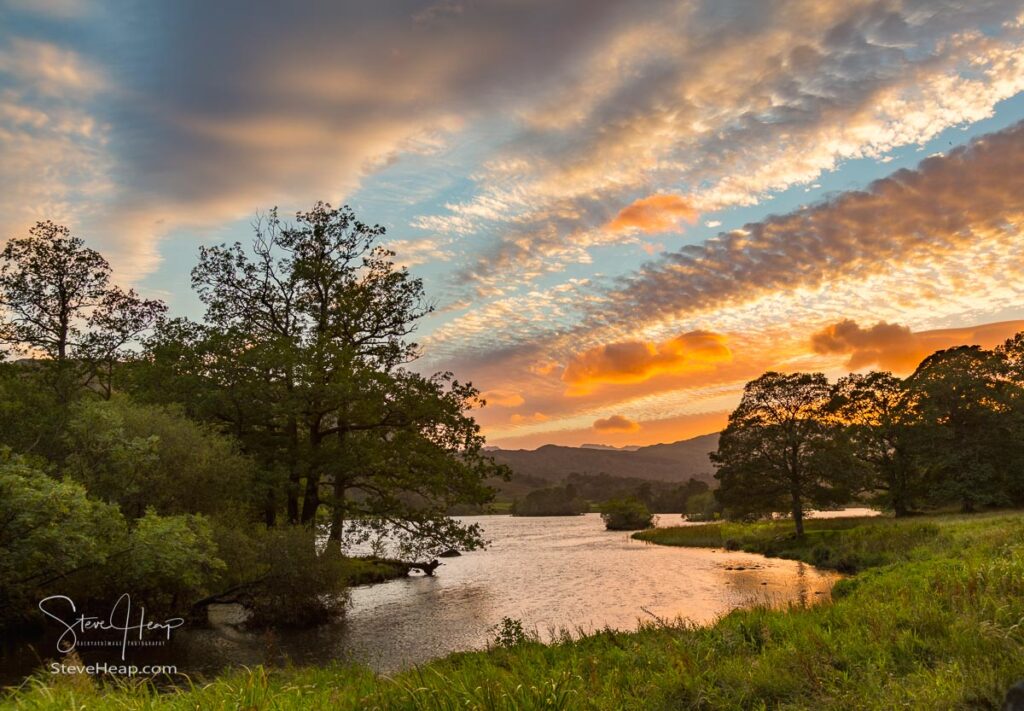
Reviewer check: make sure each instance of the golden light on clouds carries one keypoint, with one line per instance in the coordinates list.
(518, 419)
(500, 397)
(616, 423)
(890, 346)
(657, 213)
(637, 361)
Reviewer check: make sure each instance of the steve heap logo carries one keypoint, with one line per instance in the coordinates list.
(133, 628)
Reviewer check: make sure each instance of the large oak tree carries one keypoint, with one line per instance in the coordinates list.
(305, 354)
(779, 452)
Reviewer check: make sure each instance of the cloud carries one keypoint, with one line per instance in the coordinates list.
(657, 213)
(616, 423)
(972, 196)
(894, 347)
(502, 398)
(732, 102)
(888, 345)
(518, 419)
(637, 361)
(410, 253)
(591, 104)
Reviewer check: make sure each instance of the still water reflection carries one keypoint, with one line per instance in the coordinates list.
(551, 573)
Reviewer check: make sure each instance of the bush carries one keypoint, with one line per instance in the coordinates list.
(299, 585)
(141, 456)
(171, 561)
(509, 633)
(48, 529)
(629, 514)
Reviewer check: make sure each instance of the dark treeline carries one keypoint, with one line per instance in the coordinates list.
(950, 434)
(579, 491)
(186, 462)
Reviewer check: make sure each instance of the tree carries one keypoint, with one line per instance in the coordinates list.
(967, 437)
(779, 452)
(879, 414)
(552, 501)
(627, 514)
(49, 529)
(61, 308)
(153, 457)
(304, 355)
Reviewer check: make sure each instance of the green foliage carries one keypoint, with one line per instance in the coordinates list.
(845, 544)
(629, 514)
(49, 529)
(779, 452)
(54, 539)
(59, 303)
(298, 585)
(935, 629)
(702, 507)
(148, 456)
(171, 561)
(968, 437)
(553, 501)
(510, 633)
(879, 415)
(659, 496)
(303, 353)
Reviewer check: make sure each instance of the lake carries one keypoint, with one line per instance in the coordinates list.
(551, 573)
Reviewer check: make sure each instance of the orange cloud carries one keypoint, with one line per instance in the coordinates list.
(657, 213)
(637, 361)
(518, 419)
(894, 347)
(616, 423)
(502, 398)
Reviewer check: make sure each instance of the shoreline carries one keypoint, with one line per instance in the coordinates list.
(928, 621)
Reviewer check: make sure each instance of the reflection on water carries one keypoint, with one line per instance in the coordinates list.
(551, 573)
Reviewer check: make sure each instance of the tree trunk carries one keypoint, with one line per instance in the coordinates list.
(338, 503)
(338, 511)
(798, 515)
(311, 501)
(294, 476)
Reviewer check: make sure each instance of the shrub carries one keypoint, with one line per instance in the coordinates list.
(50, 529)
(300, 586)
(629, 514)
(509, 633)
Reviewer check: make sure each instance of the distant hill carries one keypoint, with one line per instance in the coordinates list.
(677, 461)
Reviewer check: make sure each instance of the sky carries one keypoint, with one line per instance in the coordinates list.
(622, 211)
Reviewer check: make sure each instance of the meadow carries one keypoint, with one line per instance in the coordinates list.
(931, 619)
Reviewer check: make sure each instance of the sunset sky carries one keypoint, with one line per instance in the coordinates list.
(622, 210)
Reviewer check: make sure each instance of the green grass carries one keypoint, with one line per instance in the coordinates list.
(933, 621)
(844, 544)
(364, 570)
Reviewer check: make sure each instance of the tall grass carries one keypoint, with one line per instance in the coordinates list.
(935, 620)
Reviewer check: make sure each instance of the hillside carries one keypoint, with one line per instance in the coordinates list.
(677, 461)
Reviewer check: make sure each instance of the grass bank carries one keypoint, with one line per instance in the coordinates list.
(848, 545)
(932, 621)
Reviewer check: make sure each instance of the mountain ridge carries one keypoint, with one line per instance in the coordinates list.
(673, 461)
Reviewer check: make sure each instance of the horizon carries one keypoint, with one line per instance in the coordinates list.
(623, 212)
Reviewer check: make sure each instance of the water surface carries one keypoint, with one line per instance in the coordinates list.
(551, 573)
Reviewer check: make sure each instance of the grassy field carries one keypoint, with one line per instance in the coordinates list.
(933, 620)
